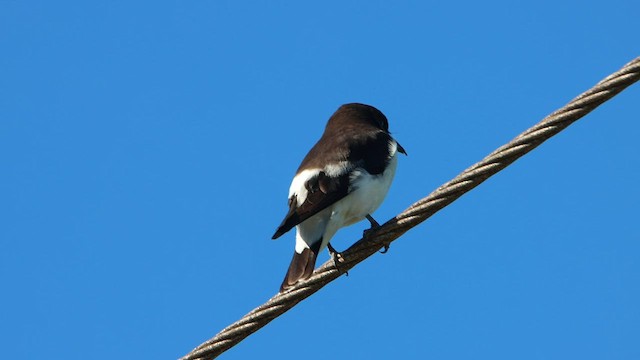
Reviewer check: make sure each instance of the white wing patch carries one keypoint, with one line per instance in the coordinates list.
(337, 169)
(297, 187)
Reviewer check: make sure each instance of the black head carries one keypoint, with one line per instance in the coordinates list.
(359, 113)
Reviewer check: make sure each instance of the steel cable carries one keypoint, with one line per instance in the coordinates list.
(421, 210)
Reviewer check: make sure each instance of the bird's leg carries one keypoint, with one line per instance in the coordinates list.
(375, 225)
(373, 222)
(337, 258)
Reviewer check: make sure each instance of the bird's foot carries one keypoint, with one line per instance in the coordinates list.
(337, 258)
(374, 225)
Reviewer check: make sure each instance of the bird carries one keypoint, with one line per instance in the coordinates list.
(342, 180)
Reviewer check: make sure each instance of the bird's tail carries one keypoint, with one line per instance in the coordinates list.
(301, 267)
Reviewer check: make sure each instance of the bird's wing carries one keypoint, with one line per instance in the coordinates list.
(316, 193)
(314, 190)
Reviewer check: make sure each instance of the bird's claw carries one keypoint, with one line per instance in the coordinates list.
(337, 259)
(386, 248)
(335, 254)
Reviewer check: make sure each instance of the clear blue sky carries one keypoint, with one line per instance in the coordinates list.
(147, 148)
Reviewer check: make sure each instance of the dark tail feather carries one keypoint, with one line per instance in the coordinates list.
(301, 268)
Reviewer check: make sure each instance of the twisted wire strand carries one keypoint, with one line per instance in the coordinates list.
(421, 210)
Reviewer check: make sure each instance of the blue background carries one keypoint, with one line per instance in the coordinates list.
(147, 148)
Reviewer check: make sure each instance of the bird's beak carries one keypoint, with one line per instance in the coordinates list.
(400, 148)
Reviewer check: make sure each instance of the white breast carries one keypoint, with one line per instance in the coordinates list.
(370, 191)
